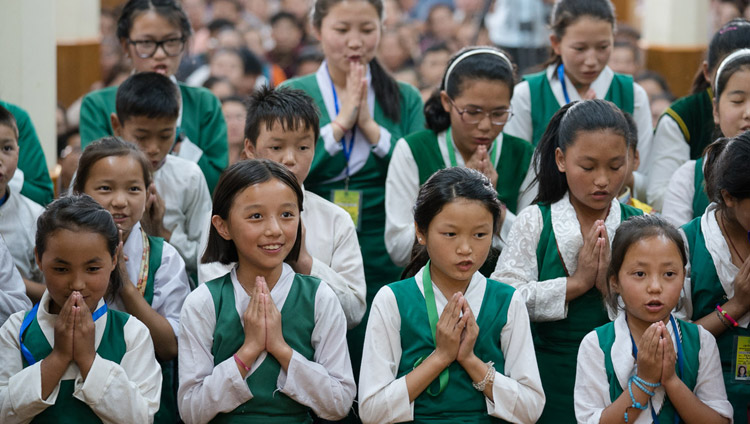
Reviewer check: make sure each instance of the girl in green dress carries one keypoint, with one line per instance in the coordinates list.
(448, 345)
(558, 249)
(153, 33)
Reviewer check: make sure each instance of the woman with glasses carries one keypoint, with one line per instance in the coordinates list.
(465, 119)
(153, 34)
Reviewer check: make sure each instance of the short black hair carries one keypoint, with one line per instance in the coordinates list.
(7, 119)
(147, 94)
(288, 106)
(280, 16)
(62, 139)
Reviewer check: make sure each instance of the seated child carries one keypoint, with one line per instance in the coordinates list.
(78, 360)
(115, 173)
(475, 363)
(282, 125)
(647, 366)
(178, 204)
(261, 343)
(18, 213)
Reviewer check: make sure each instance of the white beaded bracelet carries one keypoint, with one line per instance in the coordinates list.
(489, 378)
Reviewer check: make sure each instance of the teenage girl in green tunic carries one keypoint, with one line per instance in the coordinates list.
(558, 250)
(448, 345)
(154, 33)
(465, 118)
(717, 294)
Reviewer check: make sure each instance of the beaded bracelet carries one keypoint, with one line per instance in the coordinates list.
(722, 319)
(726, 315)
(489, 378)
(641, 384)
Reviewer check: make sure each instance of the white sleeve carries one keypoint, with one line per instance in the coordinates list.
(645, 125)
(12, 289)
(517, 391)
(520, 124)
(401, 190)
(205, 390)
(591, 394)
(186, 236)
(669, 151)
(529, 189)
(382, 397)
(709, 387)
(171, 287)
(326, 384)
(383, 146)
(678, 200)
(517, 266)
(127, 392)
(331, 145)
(346, 274)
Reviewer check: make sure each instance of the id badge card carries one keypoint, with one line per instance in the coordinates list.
(351, 202)
(741, 359)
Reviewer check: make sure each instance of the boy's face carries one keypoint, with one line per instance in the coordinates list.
(154, 136)
(8, 156)
(294, 149)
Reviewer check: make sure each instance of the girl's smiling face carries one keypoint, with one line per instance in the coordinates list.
(350, 32)
(76, 261)
(262, 223)
(584, 49)
(151, 26)
(732, 112)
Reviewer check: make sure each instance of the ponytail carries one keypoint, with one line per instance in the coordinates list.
(436, 118)
(386, 91)
(552, 182)
(710, 160)
(419, 258)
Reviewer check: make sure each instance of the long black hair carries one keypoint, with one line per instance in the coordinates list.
(78, 213)
(234, 180)
(726, 168)
(734, 35)
(385, 87)
(566, 12)
(443, 187)
(480, 66)
(562, 130)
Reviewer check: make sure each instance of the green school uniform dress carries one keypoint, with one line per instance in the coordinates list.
(202, 124)
(706, 293)
(459, 402)
(544, 104)
(695, 117)
(511, 162)
(691, 345)
(37, 184)
(556, 342)
(68, 409)
(268, 405)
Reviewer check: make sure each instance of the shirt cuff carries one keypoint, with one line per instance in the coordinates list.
(403, 410)
(91, 390)
(384, 144)
(504, 389)
(332, 145)
(296, 362)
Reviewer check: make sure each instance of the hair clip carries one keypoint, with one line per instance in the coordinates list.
(727, 29)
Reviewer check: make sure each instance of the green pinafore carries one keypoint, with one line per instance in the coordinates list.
(707, 292)
(460, 402)
(268, 405)
(556, 342)
(694, 115)
(700, 198)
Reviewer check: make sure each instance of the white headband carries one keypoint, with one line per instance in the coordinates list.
(727, 60)
(463, 56)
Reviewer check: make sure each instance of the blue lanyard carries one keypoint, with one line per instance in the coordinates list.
(680, 362)
(561, 77)
(30, 317)
(346, 147)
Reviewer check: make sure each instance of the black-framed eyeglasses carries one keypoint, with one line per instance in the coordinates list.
(473, 116)
(146, 48)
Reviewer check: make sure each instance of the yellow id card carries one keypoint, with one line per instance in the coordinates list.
(351, 202)
(742, 359)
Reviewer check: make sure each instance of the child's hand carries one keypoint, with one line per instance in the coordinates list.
(586, 273)
(480, 161)
(304, 262)
(275, 343)
(450, 326)
(255, 324)
(742, 283)
(667, 369)
(64, 328)
(651, 354)
(83, 341)
(351, 98)
(153, 217)
(365, 122)
(604, 257)
(468, 337)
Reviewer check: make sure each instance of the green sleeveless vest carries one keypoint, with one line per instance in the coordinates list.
(706, 293)
(512, 165)
(460, 402)
(695, 116)
(700, 198)
(268, 405)
(68, 409)
(544, 104)
(691, 343)
(556, 342)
